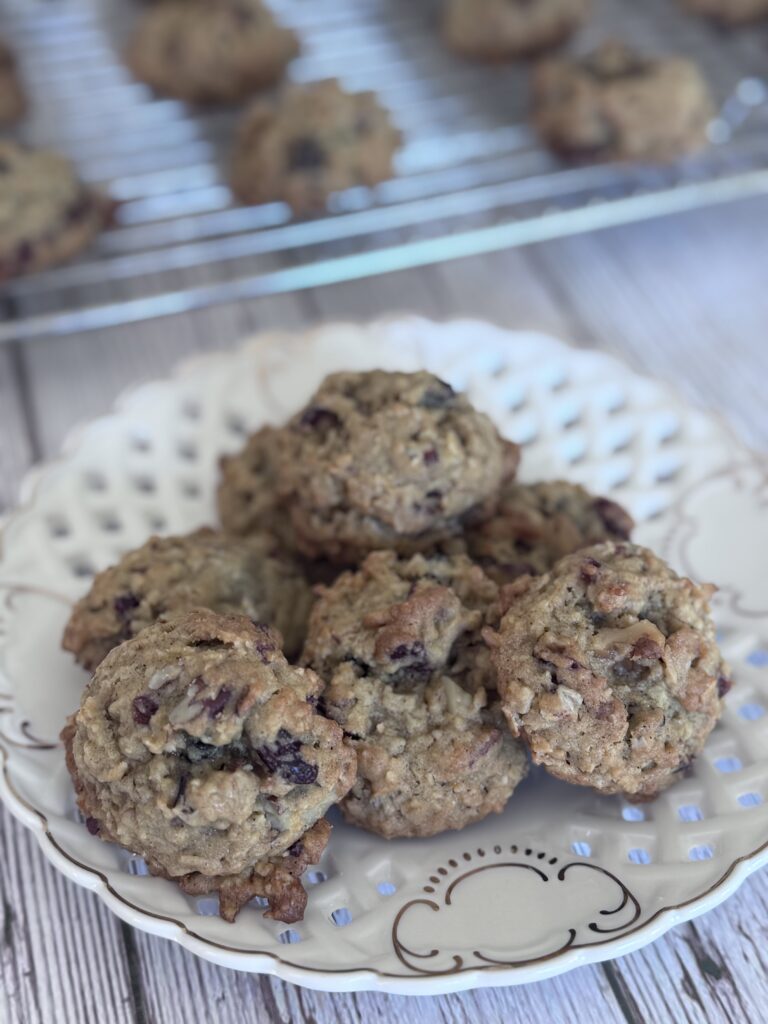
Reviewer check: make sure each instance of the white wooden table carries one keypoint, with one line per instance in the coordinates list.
(685, 300)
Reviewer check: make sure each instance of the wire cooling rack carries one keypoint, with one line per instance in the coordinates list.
(471, 176)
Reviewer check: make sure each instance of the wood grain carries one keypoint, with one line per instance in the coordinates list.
(684, 301)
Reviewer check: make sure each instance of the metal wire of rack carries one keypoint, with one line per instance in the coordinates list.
(471, 177)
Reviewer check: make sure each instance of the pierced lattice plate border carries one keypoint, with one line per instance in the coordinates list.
(563, 877)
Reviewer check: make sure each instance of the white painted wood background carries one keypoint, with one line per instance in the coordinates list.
(685, 300)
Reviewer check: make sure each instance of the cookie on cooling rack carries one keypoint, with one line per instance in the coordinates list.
(387, 460)
(198, 747)
(399, 645)
(210, 50)
(46, 213)
(537, 524)
(729, 12)
(204, 569)
(500, 29)
(313, 140)
(13, 101)
(609, 670)
(618, 104)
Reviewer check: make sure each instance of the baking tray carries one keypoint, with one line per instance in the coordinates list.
(471, 177)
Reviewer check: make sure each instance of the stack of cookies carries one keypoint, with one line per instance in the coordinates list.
(465, 624)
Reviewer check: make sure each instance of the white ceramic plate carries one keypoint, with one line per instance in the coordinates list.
(563, 877)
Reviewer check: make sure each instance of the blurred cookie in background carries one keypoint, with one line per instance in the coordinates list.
(500, 29)
(47, 214)
(729, 12)
(210, 51)
(13, 102)
(617, 104)
(313, 140)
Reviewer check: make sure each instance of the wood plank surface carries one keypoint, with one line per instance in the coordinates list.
(683, 300)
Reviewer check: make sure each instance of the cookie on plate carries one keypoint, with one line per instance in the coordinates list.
(46, 213)
(388, 460)
(730, 12)
(537, 524)
(399, 645)
(313, 140)
(247, 493)
(502, 29)
(210, 51)
(618, 104)
(609, 670)
(204, 569)
(13, 101)
(198, 747)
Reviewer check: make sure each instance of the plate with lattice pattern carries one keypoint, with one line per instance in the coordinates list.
(563, 877)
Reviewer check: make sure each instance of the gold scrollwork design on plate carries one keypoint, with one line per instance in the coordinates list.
(532, 862)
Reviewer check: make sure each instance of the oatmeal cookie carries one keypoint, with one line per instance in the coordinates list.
(210, 51)
(729, 12)
(13, 101)
(502, 29)
(399, 644)
(198, 747)
(608, 668)
(388, 460)
(616, 104)
(247, 493)
(204, 569)
(46, 213)
(537, 524)
(313, 140)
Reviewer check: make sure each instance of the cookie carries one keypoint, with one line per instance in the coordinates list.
(198, 747)
(608, 669)
(537, 524)
(247, 492)
(729, 12)
(388, 460)
(313, 140)
(503, 29)
(204, 569)
(274, 879)
(13, 101)
(46, 213)
(210, 51)
(617, 104)
(399, 645)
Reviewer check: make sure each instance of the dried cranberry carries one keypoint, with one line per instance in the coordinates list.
(215, 705)
(181, 789)
(590, 567)
(431, 457)
(283, 759)
(93, 826)
(297, 849)
(723, 685)
(614, 518)
(438, 396)
(124, 604)
(144, 707)
(316, 416)
(419, 664)
(306, 154)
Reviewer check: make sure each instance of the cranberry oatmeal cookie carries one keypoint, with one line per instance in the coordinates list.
(210, 51)
(537, 524)
(204, 569)
(609, 670)
(617, 104)
(388, 460)
(313, 140)
(197, 746)
(730, 12)
(13, 101)
(46, 213)
(501, 29)
(399, 645)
